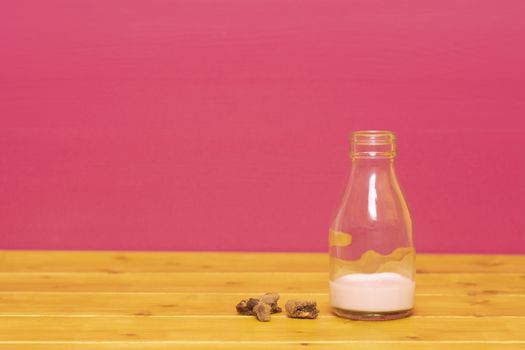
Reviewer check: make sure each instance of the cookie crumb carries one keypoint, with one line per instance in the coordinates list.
(301, 309)
(245, 307)
(272, 299)
(263, 311)
(262, 308)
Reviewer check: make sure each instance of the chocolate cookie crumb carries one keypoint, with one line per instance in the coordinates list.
(262, 311)
(272, 299)
(245, 307)
(301, 309)
(262, 308)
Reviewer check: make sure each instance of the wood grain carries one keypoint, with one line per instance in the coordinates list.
(245, 282)
(77, 261)
(248, 329)
(190, 304)
(145, 345)
(108, 300)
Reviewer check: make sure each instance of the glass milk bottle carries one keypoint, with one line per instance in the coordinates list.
(372, 256)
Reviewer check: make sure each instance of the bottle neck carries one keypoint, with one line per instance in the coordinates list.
(373, 154)
(383, 166)
(373, 145)
(373, 162)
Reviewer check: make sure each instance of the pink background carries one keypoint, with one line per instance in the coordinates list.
(223, 125)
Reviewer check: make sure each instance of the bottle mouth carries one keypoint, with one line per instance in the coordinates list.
(373, 144)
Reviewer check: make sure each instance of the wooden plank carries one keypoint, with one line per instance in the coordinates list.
(249, 282)
(69, 261)
(77, 261)
(176, 308)
(144, 345)
(178, 305)
(248, 329)
(466, 263)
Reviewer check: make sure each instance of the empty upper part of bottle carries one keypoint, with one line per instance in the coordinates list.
(373, 144)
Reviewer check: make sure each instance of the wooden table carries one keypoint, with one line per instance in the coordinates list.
(153, 301)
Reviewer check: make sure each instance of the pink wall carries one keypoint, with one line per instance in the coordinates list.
(207, 125)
